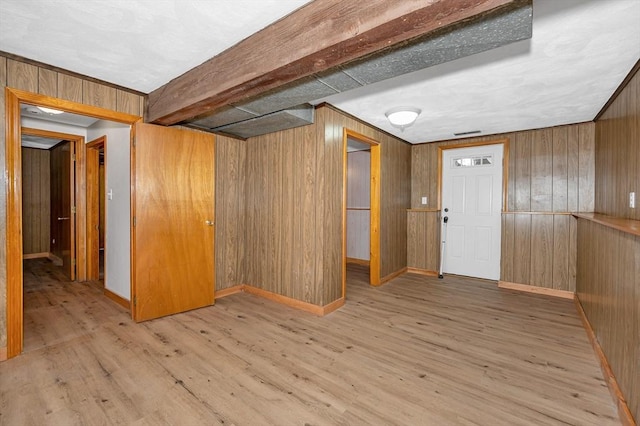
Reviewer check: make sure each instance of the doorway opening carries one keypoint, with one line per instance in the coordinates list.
(14, 99)
(472, 188)
(96, 193)
(361, 202)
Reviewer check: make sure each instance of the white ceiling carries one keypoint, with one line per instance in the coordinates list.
(580, 52)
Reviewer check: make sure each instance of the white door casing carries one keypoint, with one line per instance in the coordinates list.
(472, 193)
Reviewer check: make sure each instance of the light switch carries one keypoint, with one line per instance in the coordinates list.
(110, 194)
(424, 201)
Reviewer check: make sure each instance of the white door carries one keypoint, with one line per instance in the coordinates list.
(472, 200)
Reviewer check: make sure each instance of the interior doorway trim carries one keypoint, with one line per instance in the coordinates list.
(93, 206)
(13, 99)
(374, 206)
(505, 166)
(78, 242)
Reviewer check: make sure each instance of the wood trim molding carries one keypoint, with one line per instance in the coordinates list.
(35, 255)
(374, 207)
(219, 294)
(423, 210)
(355, 261)
(52, 257)
(359, 208)
(283, 300)
(419, 271)
(255, 65)
(564, 294)
(621, 404)
(540, 213)
(117, 298)
(293, 303)
(13, 99)
(393, 275)
(628, 226)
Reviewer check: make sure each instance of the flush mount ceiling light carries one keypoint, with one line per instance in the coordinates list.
(50, 110)
(402, 117)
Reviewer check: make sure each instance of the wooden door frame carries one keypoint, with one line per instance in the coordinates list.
(92, 197)
(505, 176)
(77, 141)
(13, 190)
(374, 209)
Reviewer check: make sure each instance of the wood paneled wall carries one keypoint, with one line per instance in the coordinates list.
(550, 173)
(36, 200)
(608, 287)
(618, 154)
(293, 210)
(24, 75)
(231, 155)
(395, 191)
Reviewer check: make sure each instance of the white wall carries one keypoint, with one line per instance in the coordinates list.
(358, 196)
(117, 210)
(53, 127)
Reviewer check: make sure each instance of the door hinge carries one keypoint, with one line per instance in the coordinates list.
(133, 143)
(73, 209)
(135, 300)
(134, 221)
(73, 262)
(73, 157)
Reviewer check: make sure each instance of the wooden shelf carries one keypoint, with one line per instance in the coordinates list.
(629, 226)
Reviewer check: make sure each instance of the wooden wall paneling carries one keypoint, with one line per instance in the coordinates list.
(433, 241)
(586, 168)
(419, 175)
(541, 170)
(508, 249)
(128, 102)
(560, 194)
(323, 131)
(608, 267)
(511, 181)
(561, 253)
(522, 243)
(22, 76)
(522, 158)
(310, 221)
(573, 156)
(99, 95)
(287, 229)
(296, 213)
(432, 161)
(47, 82)
(541, 250)
(3, 211)
(573, 252)
(69, 88)
(35, 200)
(417, 240)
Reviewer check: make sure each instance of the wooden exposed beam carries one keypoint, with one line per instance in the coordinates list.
(319, 36)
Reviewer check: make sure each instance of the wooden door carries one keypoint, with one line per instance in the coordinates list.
(173, 232)
(63, 206)
(472, 197)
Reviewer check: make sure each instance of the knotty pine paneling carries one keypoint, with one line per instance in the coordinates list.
(24, 76)
(618, 154)
(231, 156)
(36, 199)
(550, 171)
(608, 287)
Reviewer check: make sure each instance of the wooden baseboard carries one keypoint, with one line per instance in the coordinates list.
(35, 255)
(118, 299)
(294, 303)
(419, 271)
(229, 291)
(565, 294)
(362, 262)
(623, 409)
(55, 259)
(3, 354)
(333, 306)
(393, 275)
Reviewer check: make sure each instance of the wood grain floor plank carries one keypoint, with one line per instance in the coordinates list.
(416, 351)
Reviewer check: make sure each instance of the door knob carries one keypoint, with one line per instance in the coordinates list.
(63, 218)
(209, 222)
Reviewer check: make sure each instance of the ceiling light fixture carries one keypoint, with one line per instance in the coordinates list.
(50, 110)
(402, 117)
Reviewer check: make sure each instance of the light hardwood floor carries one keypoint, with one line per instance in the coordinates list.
(416, 351)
